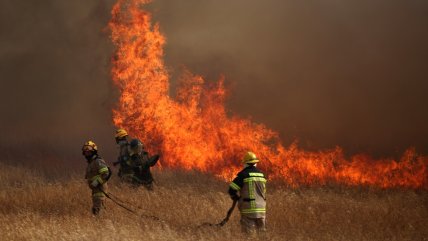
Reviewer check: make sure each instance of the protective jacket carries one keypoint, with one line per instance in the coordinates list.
(141, 164)
(251, 185)
(97, 170)
(125, 169)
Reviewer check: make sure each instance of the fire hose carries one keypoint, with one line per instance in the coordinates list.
(229, 213)
(225, 220)
(121, 204)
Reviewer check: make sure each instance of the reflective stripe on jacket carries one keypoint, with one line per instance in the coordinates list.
(124, 159)
(251, 184)
(97, 170)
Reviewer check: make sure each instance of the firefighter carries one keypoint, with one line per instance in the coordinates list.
(125, 170)
(250, 183)
(141, 163)
(97, 175)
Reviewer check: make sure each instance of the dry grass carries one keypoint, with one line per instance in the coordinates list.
(34, 207)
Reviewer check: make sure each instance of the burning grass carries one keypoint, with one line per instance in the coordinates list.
(35, 207)
(194, 130)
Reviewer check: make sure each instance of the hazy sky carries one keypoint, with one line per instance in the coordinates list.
(332, 72)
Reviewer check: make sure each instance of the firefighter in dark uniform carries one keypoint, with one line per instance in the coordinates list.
(250, 183)
(141, 164)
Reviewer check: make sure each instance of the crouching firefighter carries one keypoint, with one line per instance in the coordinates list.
(97, 175)
(250, 183)
(141, 164)
(125, 170)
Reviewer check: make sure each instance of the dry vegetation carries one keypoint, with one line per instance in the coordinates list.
(35, 207)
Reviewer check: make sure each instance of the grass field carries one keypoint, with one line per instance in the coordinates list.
(35, 206)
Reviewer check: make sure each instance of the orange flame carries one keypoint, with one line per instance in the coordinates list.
(193, 131)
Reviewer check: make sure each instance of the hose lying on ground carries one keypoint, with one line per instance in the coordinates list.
(120, 203)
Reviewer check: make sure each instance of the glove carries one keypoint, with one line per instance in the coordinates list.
(235, 197)
(95, 183)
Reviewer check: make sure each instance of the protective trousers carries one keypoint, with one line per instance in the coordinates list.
(98, 198)
(253, 226)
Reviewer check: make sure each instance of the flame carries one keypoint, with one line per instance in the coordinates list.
(193, 131)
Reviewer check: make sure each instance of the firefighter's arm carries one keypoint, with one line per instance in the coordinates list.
(104, 172)
(153, 160)
(235, 186)
(121, 160)
(102, 177)
(233, 194)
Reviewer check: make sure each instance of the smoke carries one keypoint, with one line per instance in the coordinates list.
(55, 84)
(348, 73)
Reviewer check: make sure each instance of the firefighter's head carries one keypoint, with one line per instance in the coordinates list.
(135, 147)
(250, 159)
(89, 149)
(121, 134)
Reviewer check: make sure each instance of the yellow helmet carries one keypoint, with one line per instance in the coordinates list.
(89, 146)
(120, 133)
(249, 158)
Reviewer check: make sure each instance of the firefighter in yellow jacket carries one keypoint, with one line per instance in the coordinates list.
(126, 171)
(97, 175)
(250, 183)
